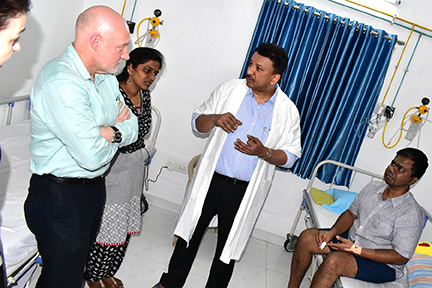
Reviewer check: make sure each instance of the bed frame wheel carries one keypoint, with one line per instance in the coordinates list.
(290, 243)
(144, 204)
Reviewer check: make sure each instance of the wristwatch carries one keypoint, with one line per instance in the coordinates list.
(117, 135)
(267, 155)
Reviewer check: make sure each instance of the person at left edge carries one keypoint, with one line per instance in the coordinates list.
(13, 16)
(77, 125)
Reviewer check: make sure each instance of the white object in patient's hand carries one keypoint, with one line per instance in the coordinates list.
(323, 244)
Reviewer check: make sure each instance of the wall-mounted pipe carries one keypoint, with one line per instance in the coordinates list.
(393, 16)
(397, 66)
(406, 69)
(384, 19)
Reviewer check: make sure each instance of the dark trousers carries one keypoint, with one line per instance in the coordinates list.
(64, 218)
(223, 199)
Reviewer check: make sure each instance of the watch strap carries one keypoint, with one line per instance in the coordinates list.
(267, 155)
(117, 136)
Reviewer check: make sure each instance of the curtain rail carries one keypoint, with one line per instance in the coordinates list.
(306, 10)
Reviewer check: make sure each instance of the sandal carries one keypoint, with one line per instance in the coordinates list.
(117, 283)
(99, 284)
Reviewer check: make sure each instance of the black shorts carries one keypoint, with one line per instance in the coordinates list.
(369, 270)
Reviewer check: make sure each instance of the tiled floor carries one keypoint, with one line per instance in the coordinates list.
(263, 264)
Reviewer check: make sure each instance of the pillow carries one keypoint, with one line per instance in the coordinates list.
(424, 248)
(420, 271)
(321, 197)
(342, 198)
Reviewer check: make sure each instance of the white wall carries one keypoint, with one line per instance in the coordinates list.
(205, 43)
(49, 29)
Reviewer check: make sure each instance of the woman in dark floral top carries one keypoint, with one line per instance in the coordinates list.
(124, 182)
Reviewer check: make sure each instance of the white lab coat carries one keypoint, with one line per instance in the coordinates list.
(284, 134)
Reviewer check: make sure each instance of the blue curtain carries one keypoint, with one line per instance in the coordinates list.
(334, 76)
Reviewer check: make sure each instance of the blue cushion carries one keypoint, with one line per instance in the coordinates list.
(342, 198)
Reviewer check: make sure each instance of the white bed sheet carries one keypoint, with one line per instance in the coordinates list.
(18, 242)
(325, 219)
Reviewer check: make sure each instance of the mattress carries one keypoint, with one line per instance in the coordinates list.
(18, 242)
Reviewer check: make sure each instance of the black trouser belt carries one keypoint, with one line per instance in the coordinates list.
(72, 180)
(231, 180)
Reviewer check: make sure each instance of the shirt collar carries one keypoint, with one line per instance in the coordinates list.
(78, 62)
(82, 70)
(272, 98)
(397, 200)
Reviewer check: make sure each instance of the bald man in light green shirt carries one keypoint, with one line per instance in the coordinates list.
(68, 109)
(77, 125)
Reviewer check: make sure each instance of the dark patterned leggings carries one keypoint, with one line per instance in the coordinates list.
(104, 261)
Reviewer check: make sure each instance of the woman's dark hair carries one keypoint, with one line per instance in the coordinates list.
(418, 157)
(140, 56)
(276, 54)
(10, 9)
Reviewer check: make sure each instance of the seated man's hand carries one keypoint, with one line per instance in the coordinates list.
(345, 244)
(323, 236)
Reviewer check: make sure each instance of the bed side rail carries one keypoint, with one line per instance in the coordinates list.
(427, 214)
(155, 132)
(11, 104)
(339, 165)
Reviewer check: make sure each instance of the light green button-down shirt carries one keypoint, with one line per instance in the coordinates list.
(67, 109)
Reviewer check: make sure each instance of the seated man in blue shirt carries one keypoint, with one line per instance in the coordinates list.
(377, 235)
(253, 127)
(77, 125)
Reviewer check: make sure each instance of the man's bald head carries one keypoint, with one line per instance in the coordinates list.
(101, 39)
(99, 19)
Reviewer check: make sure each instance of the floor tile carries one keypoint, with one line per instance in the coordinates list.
(262, 265)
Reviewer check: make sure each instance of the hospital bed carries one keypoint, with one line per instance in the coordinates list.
(316, 216)
(19, 244)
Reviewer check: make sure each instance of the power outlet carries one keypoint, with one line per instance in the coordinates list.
(177, 166)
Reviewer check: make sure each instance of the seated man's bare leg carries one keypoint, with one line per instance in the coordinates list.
(307, 245)
(337, 263)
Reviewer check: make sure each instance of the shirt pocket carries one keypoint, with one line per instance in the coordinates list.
(262, 129)
(382, 227)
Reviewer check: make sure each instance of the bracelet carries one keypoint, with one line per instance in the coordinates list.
(267, 155)
(356, 249)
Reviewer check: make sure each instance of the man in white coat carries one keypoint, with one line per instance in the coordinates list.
(253, 127)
